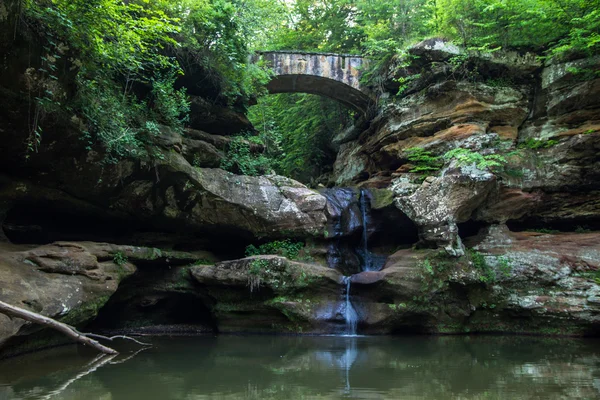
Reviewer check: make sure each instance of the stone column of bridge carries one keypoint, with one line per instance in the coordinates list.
(336, 76)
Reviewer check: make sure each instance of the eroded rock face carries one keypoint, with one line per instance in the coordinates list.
(440, 203)
(72, 282)
(511, 282)
(272, 294)
(173, 194)
(64, 281)
(543, 120)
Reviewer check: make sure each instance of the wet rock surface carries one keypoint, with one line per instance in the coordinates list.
(440, 276)
(510, 282)
(71, 282)
(272, 294)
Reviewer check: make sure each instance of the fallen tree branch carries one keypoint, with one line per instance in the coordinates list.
(111, 338)
(71, 332)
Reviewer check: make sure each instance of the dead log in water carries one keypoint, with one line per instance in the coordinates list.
(13, 311)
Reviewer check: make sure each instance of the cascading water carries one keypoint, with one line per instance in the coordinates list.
(350, 313)
(367, 258)
(349, 217)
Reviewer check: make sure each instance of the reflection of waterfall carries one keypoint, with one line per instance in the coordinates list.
(346, 361)
(342, 360)
(350, 314)
(349, 358)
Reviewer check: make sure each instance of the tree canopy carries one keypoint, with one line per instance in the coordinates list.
(129, 55)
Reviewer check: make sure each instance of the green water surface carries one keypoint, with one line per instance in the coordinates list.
(275, 367)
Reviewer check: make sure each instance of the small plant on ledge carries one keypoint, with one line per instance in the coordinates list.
(469, 157)
(285, 248)
(423, 160)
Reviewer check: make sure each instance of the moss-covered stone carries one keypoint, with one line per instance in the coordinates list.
(381, 198)
(263, 293)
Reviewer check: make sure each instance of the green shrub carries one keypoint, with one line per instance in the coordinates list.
(119, 258)
(285, 248)
(240, 159)
(487, 273)
(172, 107)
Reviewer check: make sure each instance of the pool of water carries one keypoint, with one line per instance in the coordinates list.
(276, 367)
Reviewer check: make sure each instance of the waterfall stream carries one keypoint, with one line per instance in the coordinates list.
(350, 217)
(350, 313)
(367, 258)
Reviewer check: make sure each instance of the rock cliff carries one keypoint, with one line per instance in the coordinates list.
(459, 170)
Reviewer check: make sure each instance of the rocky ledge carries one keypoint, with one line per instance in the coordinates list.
(67, 281)
(272, 294)
(528, 283)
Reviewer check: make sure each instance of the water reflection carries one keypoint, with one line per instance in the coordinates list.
(259, 367)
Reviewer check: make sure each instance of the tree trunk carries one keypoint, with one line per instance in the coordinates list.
(71, 332)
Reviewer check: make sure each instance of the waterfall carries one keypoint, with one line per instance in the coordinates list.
(367, 259)
(349, 220)
(350, 313)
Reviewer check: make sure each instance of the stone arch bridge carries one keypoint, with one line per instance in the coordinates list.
(336, 76)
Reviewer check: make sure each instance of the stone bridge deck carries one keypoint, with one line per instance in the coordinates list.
(336, 76)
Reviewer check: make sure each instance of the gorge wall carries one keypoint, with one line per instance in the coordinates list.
(157, 243)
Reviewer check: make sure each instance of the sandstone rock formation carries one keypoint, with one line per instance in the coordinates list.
(542, 119)
(272, 294)
(69, 281)
(511, 282)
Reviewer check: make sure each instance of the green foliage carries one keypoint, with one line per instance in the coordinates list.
(215, 35)
(423, 160)
(427, 267)
(171, 106)
(381, 29)
(241, 159)
(562, 25)
(129, 55)
(470, 157)
(426, 162)
(258, 266)
(119, 258)
(112, 119)
(537, 144)
(296, 130)
(286, 248)
(116, 45)
(505, 266)
(405, 82)
(486, 272)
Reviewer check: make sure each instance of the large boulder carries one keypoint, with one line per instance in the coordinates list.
(176, 196)
(438, 204)
(509, 283)
(64, 281)
(272, 294)
(74, 281)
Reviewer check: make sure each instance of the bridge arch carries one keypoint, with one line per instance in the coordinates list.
(336, 76)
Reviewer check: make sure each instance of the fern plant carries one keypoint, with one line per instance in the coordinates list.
(470, 157)
(423, 160)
